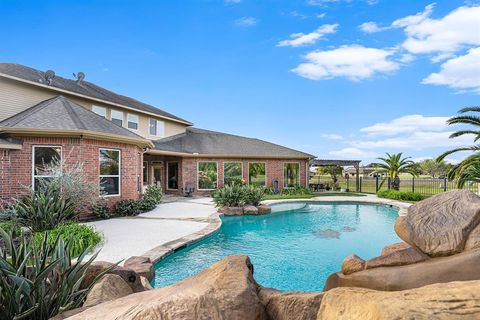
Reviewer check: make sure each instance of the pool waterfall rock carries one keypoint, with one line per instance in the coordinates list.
(441, 233)
(245, 210)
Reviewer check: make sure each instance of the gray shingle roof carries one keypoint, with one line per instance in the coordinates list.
(60, 113)
(85, 88)
(205, 142)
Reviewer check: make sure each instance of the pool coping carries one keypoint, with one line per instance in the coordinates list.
(215, 222)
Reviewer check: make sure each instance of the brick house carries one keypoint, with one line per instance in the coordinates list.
(123, 144)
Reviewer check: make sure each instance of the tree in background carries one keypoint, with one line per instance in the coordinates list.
(467, 170)
(393, 165)
(332, 171)
(434, 168)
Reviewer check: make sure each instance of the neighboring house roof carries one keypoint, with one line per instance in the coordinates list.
(60, 115)
(84, 88)
(211, 143)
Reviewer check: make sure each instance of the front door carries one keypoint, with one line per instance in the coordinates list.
(157, 175)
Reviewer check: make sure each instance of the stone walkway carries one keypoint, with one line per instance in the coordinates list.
(178, 222)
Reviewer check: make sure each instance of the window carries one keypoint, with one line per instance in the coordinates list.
(132, 122)
(145, 173)
(157, 128)
(172, 175)
(101, 111)
(257, 174)
(109, 172)
(232, 173)
(207, 175)
(45, 159)
(291, 175)
(117, 117)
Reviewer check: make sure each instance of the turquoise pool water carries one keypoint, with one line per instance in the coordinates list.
(295, 248)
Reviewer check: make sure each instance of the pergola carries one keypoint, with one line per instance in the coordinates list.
(341, 163)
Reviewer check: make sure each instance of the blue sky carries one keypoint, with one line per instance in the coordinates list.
(336, 78)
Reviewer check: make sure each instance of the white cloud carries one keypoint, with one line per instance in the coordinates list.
(371, 27)
(331, 136)
(246, 22)
(406, 124)
(444, 36)
(353, 153)
(321, 15)
(301, 39)
(233, 1)
(461, 73)
(353, 62)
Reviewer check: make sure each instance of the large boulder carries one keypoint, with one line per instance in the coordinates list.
(440, 225)
(264, 209)
(250, 210)
(141, 265)
(459, 267)
(109, 288)
(231, 211)
(400, 257)
(450, 301)
(226, 290)
(128, 275)
(290, 305)
(394, 247)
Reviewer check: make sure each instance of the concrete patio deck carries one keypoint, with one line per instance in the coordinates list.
(178, 222)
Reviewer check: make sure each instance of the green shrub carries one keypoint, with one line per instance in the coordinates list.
(400, 195)
(154, 193)
(255, 195)
(128, 207)
(296, 191)
(230, 196)
(102, 211)
(7, 213)
(83, 237)
(147, 204)
(40, 281)
(44, 209)
(11, 227)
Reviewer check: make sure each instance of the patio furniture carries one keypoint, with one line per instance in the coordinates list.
(188, 190)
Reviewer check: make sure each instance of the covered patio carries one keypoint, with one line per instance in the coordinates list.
(341, 163)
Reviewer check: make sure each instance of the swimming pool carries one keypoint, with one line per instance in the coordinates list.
(296, 247)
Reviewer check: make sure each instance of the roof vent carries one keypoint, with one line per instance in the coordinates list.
(79, 76)
(49, 76)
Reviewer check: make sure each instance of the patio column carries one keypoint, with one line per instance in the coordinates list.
(357, 177)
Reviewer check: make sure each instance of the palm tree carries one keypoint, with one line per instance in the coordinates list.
(467, 170)
(393, 165)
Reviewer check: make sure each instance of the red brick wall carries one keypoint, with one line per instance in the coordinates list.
(274, 170)
(16, 165)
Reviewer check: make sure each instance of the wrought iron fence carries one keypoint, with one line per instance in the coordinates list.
(424, 186)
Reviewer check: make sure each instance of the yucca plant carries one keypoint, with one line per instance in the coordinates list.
(231, 196)
(255, 195)
(44, 209)
(393, 165)
(40, 281)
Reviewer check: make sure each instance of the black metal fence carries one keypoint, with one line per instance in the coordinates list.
(424, 186)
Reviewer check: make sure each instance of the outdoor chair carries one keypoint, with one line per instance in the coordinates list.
(188, 190)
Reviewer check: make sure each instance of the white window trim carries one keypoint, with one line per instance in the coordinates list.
(241, 168)
(178, 176)
(266, 170)
(122, 118)
(138, 122)
(162, 135)
(299, 174)
(198, 180)
(104, 108)
(33, 161)
(111, 176)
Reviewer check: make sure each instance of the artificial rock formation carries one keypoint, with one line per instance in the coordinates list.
(109, 288)
(143, 266)
(226, 290)
(449, 301)
(397, 258)
(128, 275)
(247, 210)
(394, 247)
(352, 264)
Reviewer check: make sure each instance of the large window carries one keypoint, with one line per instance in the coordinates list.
(117, 117)
(101, 111)
(157, 128)
(172, 175)
(232, 173)
(45, 160)
(207, 175)
(291, 174)
(133, 122)
(109, 172)
(257, 174)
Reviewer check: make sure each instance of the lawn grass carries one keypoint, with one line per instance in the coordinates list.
(314, 195)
